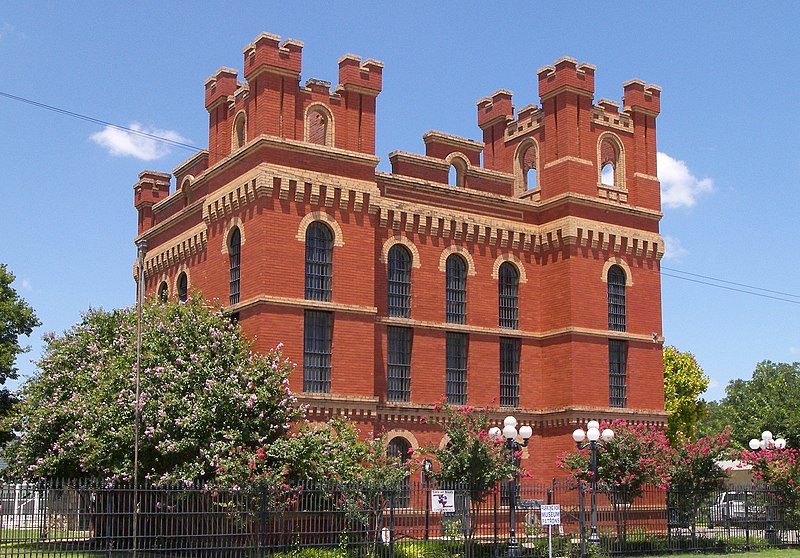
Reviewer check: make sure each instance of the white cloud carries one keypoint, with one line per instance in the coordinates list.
(125, 143)
(679, 187)
(673, 250)
(712, 383)
(794, 350)
(8, 30)
(26, 285)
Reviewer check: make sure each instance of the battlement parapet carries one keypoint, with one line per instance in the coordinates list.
(268, 53)
(495, 108)
(360, 76)
(566, 74)
(641, 97)
(219, 87)
(440, 145)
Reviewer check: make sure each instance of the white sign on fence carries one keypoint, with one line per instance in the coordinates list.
(551, 514)
(443, 501)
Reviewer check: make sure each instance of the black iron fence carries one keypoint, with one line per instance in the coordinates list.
(82, 519)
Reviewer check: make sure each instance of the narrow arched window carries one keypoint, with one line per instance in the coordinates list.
(399, 282)
(183, 287)
(528, 166)
(609, 161)
(163, 291)
(616, 298)
(234, 250)
(240, 131)
(399, 447)
(456, 289)
(508, 287)
(455, 175)
(317, 127)
(319, 261)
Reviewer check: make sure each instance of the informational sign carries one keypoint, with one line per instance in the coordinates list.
(443, 501)
(551, 514)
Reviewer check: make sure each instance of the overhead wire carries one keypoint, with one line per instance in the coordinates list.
(708, 281)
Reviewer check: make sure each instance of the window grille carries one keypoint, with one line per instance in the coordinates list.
(509, 372)
(234, 251)
(399, 282)
(319, 261)
(616, 299)
(456, 371)
(509, 303)
(398, 366)
(183, 287)
(398, 447)
(456, 289)
(616, 373)
(317, 352)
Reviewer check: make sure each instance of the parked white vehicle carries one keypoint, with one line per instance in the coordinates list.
(734, 507)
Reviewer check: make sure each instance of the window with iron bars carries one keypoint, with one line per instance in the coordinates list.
(233, 251)
(183, 287)
(616, 298)
(456, 289)
(617, 355)
(317, 351)
(319, 261)
(398, 365)
(398, 447)
(399, 282)
(509, 372)
(456, 368)
(508, 295)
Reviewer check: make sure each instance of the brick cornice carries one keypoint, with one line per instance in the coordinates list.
(302, 303)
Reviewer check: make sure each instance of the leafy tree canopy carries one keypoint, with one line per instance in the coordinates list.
(204, 397)
(684, 382)
(770, 400)
(16, 319)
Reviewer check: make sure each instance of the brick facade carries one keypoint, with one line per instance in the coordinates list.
(283, 156)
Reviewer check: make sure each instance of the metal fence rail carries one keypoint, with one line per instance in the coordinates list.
(80, 519)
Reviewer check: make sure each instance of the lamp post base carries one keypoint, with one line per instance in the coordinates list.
(513, 548)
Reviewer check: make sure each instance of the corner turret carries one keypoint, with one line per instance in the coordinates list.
(151, 188)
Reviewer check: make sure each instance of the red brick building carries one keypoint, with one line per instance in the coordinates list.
(520, 272)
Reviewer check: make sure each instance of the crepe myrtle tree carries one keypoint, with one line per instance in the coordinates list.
(203, 393)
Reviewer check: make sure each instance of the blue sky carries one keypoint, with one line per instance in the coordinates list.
(727, 135)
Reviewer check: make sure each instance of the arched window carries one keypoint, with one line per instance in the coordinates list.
(183, 287)
(319, 261)
(399, 281)
(317, 127)
(616, 298)
(163, 291)
(456, 289)
(508, 287)
(234, 249)
(398, 447)
(240, 130)
(455, 176)
(527, 163)
(610, 163)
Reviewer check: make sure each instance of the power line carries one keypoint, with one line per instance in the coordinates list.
(727, 282)
(732, 288)
(191, 147)
(87, 118)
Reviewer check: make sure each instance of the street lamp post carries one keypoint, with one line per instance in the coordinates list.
(141, 248)
(510, 434)
(768, 442)
(594, 435)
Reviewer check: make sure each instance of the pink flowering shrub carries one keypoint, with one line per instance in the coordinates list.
(694, 468)
(780, 470)
(204, 395)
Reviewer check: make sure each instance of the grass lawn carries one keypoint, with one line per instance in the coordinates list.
(772, 553)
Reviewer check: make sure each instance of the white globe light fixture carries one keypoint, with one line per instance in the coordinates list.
(767, 441)
(593, 434)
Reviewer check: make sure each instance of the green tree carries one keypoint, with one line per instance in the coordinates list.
(204, 397)
(684, 382)
(770, 400)
(16, 319)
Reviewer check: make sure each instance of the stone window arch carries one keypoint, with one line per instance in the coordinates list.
(186, 190)
(456, 249)
(182, 285)
(239, 132)
(338, 237)
(526, 165)
(621, 263)
(458, 169)
(501, 259)
(611, 161)
(163, 291)
(398, 239)
(319, 125)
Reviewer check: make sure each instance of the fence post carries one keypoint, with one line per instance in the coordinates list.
(582, 491)
(262, 538)
(496, 549)
(391, 522)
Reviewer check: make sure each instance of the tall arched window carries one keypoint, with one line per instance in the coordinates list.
(319, 261)
(456, 289)
(398, 447)
(616, 298)
(455, 175)
(527, 162)
(240, 130)
(183, 287)
(233, 251)
(399, 281)
(508, 287)
(317, 127)
(163, 291)
(611, 163)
